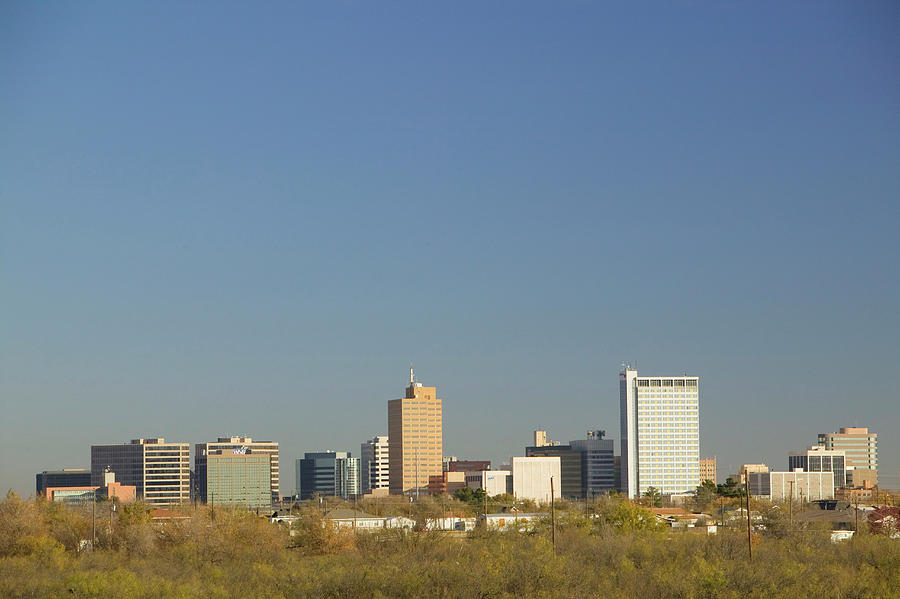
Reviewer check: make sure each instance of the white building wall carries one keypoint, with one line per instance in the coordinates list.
(808, 486)
(531, 478)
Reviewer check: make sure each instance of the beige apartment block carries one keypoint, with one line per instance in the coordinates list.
(859, 446)
(708, 469)
(415, 438)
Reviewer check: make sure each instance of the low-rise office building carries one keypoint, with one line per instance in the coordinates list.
(109, 490)
(819, 459)
(494, 482)
(67, 477)
(792, 486)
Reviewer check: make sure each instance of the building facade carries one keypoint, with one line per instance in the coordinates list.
(747, 469)
(494, 482)
(415, 438)
(860, 448)
(531, 478)
(67, 477)
(792, 486)
(571, 481)
(238, 444)
(542, 440)
(159, 471)
(238, 477)
(598, 475)
(328, 473)
(708, 469)
(375, 465)
(660, 424)
(446, 483)
(468, 465)
(819, 459)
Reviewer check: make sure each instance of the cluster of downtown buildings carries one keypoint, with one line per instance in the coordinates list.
(660, 449)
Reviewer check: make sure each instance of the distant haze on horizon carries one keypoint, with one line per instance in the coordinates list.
(222, 218)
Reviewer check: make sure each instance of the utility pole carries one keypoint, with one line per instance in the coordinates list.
(722, 510)
(552, 516)
(856, 528)
(791, 506)
(93, 519)
(749, 537)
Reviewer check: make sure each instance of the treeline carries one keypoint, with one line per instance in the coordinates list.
(611, 548)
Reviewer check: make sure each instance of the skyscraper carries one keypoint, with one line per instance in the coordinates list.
(235, 443)
(237, 477)
(660, 425)
(374, 464)
(860, 448)
(328, 473)
(160, 471)
(598, 474)
(415, 437)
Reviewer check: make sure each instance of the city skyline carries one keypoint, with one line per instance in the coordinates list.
(231, 441)
(221, 220)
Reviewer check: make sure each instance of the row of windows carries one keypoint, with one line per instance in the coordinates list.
(667, 382)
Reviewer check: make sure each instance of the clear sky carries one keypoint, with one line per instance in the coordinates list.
(222, 218)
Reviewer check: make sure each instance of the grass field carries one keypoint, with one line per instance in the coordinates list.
(225, 553)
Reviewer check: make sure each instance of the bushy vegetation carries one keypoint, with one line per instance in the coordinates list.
(610, 548)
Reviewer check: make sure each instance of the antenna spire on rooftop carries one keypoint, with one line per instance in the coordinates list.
(412, 376)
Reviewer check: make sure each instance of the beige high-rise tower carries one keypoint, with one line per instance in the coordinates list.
(415, 438)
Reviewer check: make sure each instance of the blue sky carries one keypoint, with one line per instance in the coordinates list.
(223, 218)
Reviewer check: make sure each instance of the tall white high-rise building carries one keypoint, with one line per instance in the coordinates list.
(660, 428)
(375, 464)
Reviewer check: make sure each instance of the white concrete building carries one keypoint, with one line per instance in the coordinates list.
(531, 478)
(511, 521)
(494, 482)
(660, 430)
(374, 464)
(798, 485)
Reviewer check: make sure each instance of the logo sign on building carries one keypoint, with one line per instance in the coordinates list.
(239, 451)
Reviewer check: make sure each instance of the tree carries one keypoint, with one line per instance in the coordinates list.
(628, 516)
(731, 488)
(469, 495)
(654, 496)
(705, 495)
